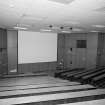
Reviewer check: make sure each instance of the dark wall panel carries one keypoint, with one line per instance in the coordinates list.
(101, 50)
(4, 39)
(47, 67)
(3, 52)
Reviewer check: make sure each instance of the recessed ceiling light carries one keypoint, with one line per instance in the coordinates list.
(99, 26)
(23, 25)
(94, 31)
(45, 30)
(77, 29)
(21, 28)
(66, 31)
(11, 5)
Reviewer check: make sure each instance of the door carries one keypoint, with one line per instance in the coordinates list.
(101, 50)
(3, 52)
(70, 48)
(81, 49)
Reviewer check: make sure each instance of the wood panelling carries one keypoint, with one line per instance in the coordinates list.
(0, 38)
(12, 51)
(101, 50)
(60, 49)
(74, 57)
(92, 41)
(3, 38)
(47, 67)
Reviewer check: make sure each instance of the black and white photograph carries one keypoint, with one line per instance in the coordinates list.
(52, 52)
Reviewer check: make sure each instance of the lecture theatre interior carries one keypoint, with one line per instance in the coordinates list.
(52, 52)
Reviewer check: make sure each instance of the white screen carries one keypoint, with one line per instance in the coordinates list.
(36, 47)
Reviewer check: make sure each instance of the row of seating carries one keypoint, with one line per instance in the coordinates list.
(94, 76)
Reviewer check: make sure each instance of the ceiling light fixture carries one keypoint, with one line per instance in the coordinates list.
(76, 29)
(23, 25)
(70, 28)
(61, 28)
(45, 30)
(99, 26)
(66, 31)
(21, 28)
(50, 26)
(94, 31)
(11, 5)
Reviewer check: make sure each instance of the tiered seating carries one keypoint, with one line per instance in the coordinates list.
(46, 90)
(95, 76)
(66, 71)
(99, 80)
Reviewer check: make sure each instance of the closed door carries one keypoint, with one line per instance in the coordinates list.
(80, 58)
(4, 61)
(70, 48)
(3, 52)
(101, 50)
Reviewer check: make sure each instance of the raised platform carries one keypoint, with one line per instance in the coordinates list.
(24, 75)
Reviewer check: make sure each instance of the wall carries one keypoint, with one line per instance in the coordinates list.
(87, 57)
(78, 57)
(92, 41)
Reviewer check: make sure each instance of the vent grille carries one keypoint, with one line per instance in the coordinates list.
(63, 1)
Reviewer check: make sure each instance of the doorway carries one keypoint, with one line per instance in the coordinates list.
(101, 50)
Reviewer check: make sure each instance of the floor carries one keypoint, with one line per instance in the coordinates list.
(47, 90)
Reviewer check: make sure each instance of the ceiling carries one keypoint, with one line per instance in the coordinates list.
(53, 15)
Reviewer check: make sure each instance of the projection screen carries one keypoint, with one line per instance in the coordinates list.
(36, 47)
